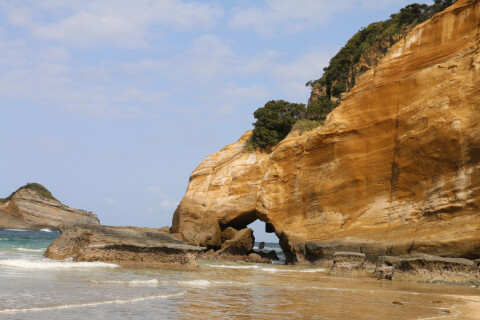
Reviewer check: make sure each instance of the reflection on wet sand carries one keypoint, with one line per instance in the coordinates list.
(289, 293)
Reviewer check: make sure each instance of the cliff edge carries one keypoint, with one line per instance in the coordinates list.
(32, 207)
(395, 169)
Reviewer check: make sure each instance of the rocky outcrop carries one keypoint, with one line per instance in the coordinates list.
(32, 207)
(395, 169)
(348, 264)
(125, 246)
(427, 268)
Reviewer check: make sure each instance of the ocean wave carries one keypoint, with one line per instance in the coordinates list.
(133, 283)
(232, 267)
(195, 283)
(15, 230)
(46, 230)
(3, 239)
(30, 250)
(91, 304)
(50, 264)
(266, 269)
(293, 270)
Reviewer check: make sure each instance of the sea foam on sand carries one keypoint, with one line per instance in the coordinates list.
(49, 264)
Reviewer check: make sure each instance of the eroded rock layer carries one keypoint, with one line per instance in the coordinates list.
(27, 209)
(395, 169)
(125, 246)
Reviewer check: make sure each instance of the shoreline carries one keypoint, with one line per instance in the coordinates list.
(471, 307)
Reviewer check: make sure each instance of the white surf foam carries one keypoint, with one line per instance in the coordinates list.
(91, 304)
(50, 264)
(267, 269)
(293, 270)
(195, 283)
(232, 267)
(30, 250)
(2, 239)
(16, 230)
(133, 283)
(46, 230)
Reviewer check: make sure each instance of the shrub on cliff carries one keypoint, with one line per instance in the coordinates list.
(338, 69)
(318, 110)
(36, 187)
(274, 122)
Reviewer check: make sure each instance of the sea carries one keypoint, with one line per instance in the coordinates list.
(33, 287)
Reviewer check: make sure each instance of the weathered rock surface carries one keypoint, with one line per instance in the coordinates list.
(427, 268)
(125, 246)
(367, 61)
(395, 169)
(348, 264)
(241, 243)
(222, 256)
(29, 209)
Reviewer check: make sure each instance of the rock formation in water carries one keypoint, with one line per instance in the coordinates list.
(125, 246)
(32, 207)
(395, 169)
(427, 268)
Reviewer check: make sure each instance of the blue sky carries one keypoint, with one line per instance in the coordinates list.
(112, 103)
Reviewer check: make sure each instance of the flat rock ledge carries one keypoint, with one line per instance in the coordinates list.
(125, 246)
(348, 264)
(414, 268)
(428, 268)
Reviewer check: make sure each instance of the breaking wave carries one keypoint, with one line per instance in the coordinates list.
(51, 264)
(267, 269)
(133, 283)
(30, 250)
(91, 304)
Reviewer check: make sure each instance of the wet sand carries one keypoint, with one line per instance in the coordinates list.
(469, 306)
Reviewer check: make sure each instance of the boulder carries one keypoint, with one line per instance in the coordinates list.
(229, 234)
(240, 244)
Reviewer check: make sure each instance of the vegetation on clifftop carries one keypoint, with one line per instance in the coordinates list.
(336, 74)
(36, 187)
(277, 118)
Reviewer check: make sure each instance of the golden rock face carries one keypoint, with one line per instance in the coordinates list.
(30, 211)
(395, 168)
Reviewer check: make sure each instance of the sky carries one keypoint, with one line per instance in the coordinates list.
(111, 104)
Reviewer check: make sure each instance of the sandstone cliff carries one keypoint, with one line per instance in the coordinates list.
(32, 207)
(395, 169)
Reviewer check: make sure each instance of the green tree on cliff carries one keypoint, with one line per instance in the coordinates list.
(319, 109)
(274, 122)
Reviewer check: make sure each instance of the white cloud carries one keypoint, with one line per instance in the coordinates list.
(273, 17)
(85, 28)
(286, 16)
(113, 22)
(208, 57)
(19, 17)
